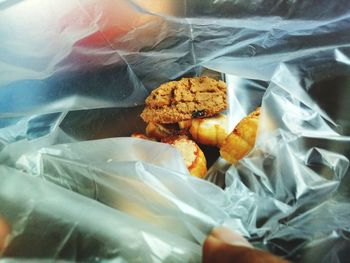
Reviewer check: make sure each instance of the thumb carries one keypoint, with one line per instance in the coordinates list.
(224, 246)
(226, 235)
(4, 232)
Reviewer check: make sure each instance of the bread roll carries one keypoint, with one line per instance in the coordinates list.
(242, 139)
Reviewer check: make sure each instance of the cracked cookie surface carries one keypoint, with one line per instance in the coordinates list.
(185, 99)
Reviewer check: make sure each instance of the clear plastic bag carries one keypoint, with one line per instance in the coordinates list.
(74, 76)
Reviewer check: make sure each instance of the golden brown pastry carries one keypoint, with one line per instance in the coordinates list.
(242, 139)
(185, 125)
(185, 99)
(210, 131)
(193, 156)
(141, 136)
(161, 131)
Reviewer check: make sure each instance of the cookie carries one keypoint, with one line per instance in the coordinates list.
(185, 99)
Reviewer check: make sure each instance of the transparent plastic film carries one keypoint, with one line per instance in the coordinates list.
(73, 81)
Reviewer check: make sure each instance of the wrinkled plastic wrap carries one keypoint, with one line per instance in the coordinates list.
(73, 79)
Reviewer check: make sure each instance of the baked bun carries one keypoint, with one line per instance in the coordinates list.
(242, 139)
(193, 156)
(210, 131)
(161, 131)
(141, 136)
(185, 125)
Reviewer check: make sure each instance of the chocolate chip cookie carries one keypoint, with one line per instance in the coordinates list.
(185, 99)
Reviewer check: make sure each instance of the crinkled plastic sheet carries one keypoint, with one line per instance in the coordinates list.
(75, 72)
